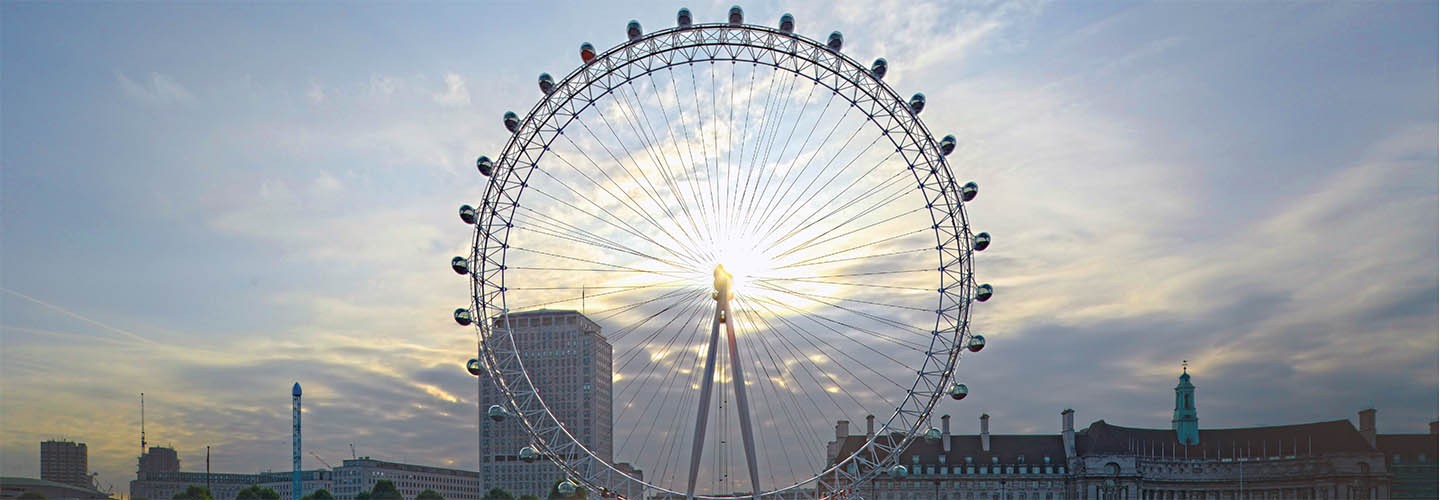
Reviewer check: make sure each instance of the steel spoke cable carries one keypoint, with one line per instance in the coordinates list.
(647, 187)
(899, 191)
(606, 314)
(784, 190)
(733, 184)
(857, 301)
(878, 319)
(584, 296)
(651, 139)
(798, 355)
(626, 200)
(763, 164)
(862, 257)
(700, 126)
(800, 223)
(544, 229)
(811, 338)
(622, 200)
(685, 138)
(840, 283)
(627, 358)
(692, 311)
(596, 262)
(867, 227)
(627, 228)
(802, 200)
(754, 168)
(757, 367)
(776, 399)
(762, 201)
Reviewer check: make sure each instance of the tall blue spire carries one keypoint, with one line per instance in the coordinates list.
(1186, 423)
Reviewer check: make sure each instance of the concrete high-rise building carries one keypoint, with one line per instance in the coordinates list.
(569, 362)
(65, 462)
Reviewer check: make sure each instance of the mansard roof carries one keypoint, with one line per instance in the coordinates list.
(1336, 436)
(1409, 446)
(1009, 449)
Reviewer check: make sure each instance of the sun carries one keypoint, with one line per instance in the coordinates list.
(747, 260)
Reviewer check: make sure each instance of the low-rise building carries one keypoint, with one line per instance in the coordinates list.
(13, 487)
(359, 475)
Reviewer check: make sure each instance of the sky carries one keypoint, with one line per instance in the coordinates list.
(208, 202)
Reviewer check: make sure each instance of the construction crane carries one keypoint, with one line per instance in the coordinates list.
(352, 452)
(327, 464)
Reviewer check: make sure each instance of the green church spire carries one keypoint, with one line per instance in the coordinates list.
(1186, 423)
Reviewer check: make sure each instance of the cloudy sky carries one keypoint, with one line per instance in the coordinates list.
(206, 203)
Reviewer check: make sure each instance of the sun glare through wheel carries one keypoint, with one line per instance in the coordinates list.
(769, 238)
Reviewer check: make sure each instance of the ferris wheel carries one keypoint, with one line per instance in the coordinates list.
(771, 241)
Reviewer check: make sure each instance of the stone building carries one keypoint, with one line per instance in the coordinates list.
(1331, 460)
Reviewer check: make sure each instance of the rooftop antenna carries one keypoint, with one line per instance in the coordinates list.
(142, 424)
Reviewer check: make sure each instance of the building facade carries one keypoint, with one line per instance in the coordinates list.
(159, 478)
(1331, 460)
(65, 462)
(569, 363)
(360, 475)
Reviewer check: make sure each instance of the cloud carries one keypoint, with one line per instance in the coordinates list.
(158, 89)
(455, 93)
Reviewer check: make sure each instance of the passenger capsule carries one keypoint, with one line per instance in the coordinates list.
(977, 342)
(497, 413)
(947, 145)
(529, 455)
(468, 214)
(982, 241)
(633, 30)
(462, 316)
(547, 84)
(587, 52)
(969, 190)
(484, 165)
(958, 391)
(932, 435)
(787, 23)
(983, 292)
(512, 121)
(899, 471)
(683, 18)
(879, 68)
(917, 103)
(737, 15)
(566, 488)
(836, 41)
(473, 366)
(460, 265)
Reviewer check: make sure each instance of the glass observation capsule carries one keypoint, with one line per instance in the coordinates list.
(982, 241)
(917, 103)
(460, 265)
(473, 366)
(969, 190)
(587, 52)
(468, 214)
(512, 121)
(879, 68)
(484, 165)
(737, 15)
(497, 413)
(787, 23)
(462, 316)
(683, 18)
(836, 41)
(957, 390)
(947, 145)
(932, 435)
(899, 471)
(977, 342)
(529, 455)
(983, 292)
(547, 83)
(566, 488)
(633, 31)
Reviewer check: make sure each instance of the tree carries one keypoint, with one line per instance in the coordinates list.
(497, 494)
(194, 493)
(529, 497)
(364, 495)
(429, 494)
(31, 495)
(385, 490)
(255, 492)
(320, 494)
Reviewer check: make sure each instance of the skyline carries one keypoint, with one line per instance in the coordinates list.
(194, 197)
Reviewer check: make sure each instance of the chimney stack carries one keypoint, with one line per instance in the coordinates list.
(869, 426)
(1067, 431)
(1367, 425)
(1433, 426)
(985, 432)
(842, 429)
(945, 432)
